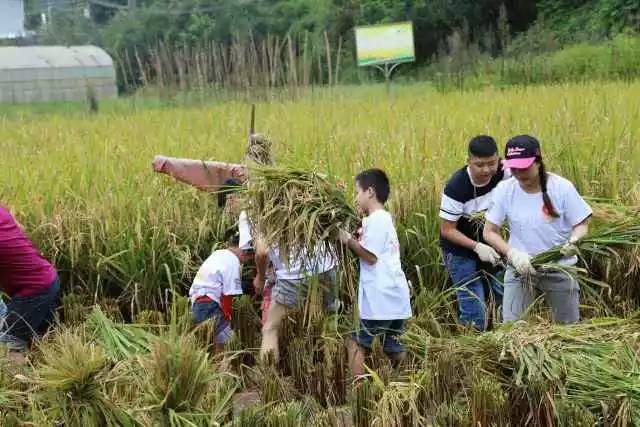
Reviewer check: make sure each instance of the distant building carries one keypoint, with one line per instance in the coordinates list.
(55, 73)
(11, 19)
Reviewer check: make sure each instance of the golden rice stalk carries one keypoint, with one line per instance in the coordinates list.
(69, 383)
(300, 212)
(178, 385)
(259, 150)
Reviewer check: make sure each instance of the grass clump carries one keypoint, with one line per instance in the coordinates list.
(69, 384)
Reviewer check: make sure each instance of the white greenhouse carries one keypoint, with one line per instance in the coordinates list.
(55, 73)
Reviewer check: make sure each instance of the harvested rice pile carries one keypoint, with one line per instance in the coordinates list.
(298, 211)
(567, 374)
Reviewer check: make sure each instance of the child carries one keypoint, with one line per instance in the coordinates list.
(289, 291)
(217, 281)
(383, 291)
(470, 262)
(543, 210)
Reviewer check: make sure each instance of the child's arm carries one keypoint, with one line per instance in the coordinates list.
(357, 248)
(261, 259)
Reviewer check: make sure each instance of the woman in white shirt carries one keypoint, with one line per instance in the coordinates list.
(542, 210)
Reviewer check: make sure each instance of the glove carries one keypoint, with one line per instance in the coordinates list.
(486, 253)
(344, 236)
(570, 248)
(521, 261)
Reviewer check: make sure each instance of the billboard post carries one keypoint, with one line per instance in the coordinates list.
(385, 47)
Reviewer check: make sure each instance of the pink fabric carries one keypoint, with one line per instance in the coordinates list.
(204, 175)
(519, 163)
(266, 301)
(23, 270)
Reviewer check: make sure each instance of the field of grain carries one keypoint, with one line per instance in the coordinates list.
(130, 240)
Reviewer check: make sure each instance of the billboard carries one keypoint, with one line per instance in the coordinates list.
(387, 43)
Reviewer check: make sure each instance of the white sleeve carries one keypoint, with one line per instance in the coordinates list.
(497, 212)
(450, 209)
(244, 230)
(576, 209)
(374, 234)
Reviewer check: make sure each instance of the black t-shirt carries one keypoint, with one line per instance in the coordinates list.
(461, 200)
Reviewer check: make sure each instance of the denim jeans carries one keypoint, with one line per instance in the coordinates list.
(387, 330)
(203, 311)
(29, 316)
(467, 275)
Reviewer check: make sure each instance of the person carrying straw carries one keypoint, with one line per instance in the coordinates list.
(383, 291)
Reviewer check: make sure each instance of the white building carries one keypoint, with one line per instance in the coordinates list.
(55, 73)
(11, 19)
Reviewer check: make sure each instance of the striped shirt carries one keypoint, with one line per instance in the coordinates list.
(461, 201)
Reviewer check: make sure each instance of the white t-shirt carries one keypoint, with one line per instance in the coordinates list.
(244, 230)
(218, 275)
(383, 293)
(530, 229)
(297, 269)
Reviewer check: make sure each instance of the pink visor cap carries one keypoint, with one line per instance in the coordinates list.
(521, 151)
(523, 163)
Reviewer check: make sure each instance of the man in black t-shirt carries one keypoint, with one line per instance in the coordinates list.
(469, 261)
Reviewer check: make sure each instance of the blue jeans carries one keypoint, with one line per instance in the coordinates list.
(467, 275)
(203, 311)
(388, 330)
(29, 316)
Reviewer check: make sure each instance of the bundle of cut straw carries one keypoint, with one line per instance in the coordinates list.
(120, 341)
(602, 243)
(300, 212)
(69, 384)
(614, 245)
(592, 365)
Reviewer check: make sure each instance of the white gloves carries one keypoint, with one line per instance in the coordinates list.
(344, 236)
(486, 253)
(570, 248)
(521, 261)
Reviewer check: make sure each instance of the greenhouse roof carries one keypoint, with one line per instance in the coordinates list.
(29, 57)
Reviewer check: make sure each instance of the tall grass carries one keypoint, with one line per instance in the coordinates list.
(83, 187)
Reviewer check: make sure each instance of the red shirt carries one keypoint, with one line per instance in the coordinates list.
(23, 270)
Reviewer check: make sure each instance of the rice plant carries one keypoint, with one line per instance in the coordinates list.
(69, 384)
(177, 381)
(120, 341)
(131, 241)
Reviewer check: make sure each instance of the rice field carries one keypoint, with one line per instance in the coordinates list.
(130, 241)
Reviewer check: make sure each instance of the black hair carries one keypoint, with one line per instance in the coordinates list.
(232, 236)
(482, 146)
(546, 200)
(229, 186)
(376, 179)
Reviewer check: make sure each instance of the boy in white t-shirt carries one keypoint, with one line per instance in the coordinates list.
(383, 291)
(215, 284)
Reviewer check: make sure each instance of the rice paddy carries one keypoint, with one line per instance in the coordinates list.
(130, 241)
